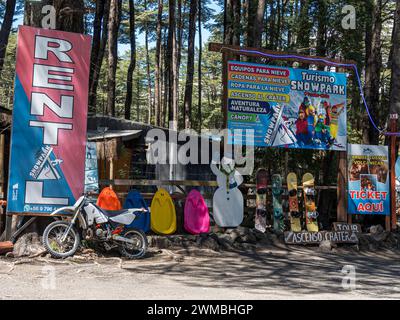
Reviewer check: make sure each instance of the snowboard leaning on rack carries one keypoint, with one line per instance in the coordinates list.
(261, 200)
(311, 214)
(294, 212)
(279, 223)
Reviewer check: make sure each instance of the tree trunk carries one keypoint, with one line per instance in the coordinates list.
(165, 82)
(157, 91)
(251, 22)
(5, 30)
(33, 13)
(99, 58)
(304, 30)
(96, 42)
(258, 24)
(228, 25)
(70, 14)
(146, 36)
(132, 63)
(322, 29)
(199, 68)
(172, 66)
(237, 29)
(190, 64)
(113, 26)
(271, 31)
(372, 76)
(395, 63)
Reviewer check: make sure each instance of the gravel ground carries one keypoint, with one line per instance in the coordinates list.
(289, 273)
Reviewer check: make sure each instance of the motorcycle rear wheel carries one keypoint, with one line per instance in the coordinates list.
(137, 250)
(52, 240)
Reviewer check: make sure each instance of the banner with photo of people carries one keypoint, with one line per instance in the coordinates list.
(368, 179)
(91, 171)
(286, 107)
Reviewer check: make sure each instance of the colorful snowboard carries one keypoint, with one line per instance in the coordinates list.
(294, 212)
(309, 203)
(261, 200)
(108, 200)
(279, 224)
(136, 201)
(162, 213)
(196, 215)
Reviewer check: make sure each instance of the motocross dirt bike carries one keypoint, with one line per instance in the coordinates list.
(85, 219)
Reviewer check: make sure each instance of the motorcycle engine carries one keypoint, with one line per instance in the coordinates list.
(102, 232)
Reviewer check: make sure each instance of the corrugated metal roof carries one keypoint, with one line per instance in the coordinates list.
(112, 134)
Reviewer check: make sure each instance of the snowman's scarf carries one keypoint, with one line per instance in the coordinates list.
(227, 174)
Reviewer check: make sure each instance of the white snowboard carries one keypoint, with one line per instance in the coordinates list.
(227, 200)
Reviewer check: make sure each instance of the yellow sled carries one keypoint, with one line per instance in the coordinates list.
(162, 213)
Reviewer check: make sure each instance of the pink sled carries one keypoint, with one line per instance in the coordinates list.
(196, 216)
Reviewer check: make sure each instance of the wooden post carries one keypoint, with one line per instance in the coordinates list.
(224, 110)
(9, 219)
(111, 173)
(342, 187)
(393, 128)
(2, 142)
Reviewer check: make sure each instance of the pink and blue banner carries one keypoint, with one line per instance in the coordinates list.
(47, 164)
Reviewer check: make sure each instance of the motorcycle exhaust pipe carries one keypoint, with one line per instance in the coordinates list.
(122, 239)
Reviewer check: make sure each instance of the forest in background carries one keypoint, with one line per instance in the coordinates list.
(168, 75)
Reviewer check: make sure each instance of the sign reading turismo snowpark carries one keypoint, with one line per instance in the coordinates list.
(368, 191)
(286, 107)
(49, 120)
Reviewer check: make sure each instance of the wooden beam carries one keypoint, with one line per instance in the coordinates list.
(278, 55)
(6, 246)
(341, 187)
(392, 162)
(189, 183)
(2, 143)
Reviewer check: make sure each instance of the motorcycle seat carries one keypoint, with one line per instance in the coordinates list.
(115, 213)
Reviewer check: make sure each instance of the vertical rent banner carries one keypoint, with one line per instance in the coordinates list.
(368, 176)
(47, 163)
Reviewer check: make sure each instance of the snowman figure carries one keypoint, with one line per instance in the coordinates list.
(227, 200)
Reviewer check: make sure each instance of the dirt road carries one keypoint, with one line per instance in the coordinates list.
(297, 273)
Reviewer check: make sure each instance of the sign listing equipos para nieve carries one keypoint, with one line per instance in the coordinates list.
(49, 122)
(368, 179)
(286, 107)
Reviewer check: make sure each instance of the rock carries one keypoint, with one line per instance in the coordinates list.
(380, 237)
(243, 230)
(191, 237)
(326, 246)
(259, 235)
(28, 245)
(159, 242)
(232, 235)
(376, 229)
(245, 246)
(248, 238)
(225, 243)
(209, 243)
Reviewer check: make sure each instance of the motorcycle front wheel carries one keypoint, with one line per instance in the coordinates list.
(54, 243)
(137, 249)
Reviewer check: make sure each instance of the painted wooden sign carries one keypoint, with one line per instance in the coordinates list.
(343, 226)
(317, 237)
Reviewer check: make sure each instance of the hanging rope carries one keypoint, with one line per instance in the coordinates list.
(328, 62)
